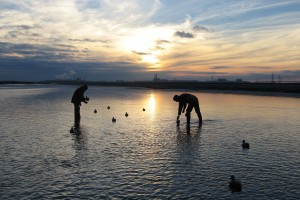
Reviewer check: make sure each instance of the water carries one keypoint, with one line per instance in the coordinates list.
(146, 156)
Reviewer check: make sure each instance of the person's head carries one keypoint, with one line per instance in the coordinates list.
(176, 98)
(85, 87)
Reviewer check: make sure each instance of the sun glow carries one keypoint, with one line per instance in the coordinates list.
(147, 44)
(150, 59)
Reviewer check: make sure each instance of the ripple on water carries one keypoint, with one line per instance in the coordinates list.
(146, 156)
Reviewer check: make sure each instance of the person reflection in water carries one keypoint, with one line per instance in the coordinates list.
(77, 98)
(192, 102)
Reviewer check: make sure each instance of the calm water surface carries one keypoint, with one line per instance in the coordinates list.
(146, 156)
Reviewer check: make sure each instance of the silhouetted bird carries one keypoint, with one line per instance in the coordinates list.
(126, 114)
(245, 145)
(113, 119)
(108, 107)
(234, 185)
(95, 111)
(144, 109)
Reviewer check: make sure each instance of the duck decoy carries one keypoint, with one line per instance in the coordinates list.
(245, 145)
(235, 185)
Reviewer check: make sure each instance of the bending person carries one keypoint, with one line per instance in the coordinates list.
(190, 101)
(77, 98)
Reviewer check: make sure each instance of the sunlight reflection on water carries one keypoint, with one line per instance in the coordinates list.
(145, 155)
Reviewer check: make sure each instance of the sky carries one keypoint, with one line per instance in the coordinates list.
(132, 40)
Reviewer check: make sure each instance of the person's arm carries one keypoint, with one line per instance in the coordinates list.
(180, 108)
(82, 98)
(179, 112)
(184, 107)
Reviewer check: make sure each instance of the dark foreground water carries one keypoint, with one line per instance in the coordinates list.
(146, 156)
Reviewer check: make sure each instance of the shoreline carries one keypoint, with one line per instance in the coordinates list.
(218, 87)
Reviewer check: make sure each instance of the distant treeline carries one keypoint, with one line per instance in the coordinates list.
(192, 85)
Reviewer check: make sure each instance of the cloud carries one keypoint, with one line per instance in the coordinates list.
(201, 28)
(88, 40)
(141, 53)
(39, 52)
(26, 69)
(220, 67)
(183, 34)
(163, 42)
(19, 27)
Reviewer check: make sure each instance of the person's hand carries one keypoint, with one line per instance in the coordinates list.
(177, 120)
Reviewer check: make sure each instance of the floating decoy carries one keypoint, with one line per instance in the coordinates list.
(95, 111)
(245, 145)
(126, 114)
(75, 130)
(234, 185)
(72, 130)
(144, 109)
(113, 119)
(108, 107)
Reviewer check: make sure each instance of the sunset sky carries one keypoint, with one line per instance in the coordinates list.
(132, 40)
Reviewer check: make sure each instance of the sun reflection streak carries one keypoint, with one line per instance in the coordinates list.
(152, 104)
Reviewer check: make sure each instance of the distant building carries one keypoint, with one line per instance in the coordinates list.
(222, 80)
(156, 79)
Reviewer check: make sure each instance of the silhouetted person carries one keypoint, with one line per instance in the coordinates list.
(77, 98)
(192, 102)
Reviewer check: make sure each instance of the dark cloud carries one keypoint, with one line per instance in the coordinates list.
(162, 42)
(12, 34)
(19, 27)
(141, 53)
(27, 69)
(183, 34)
(257, 67)
(40, 52)
(201, 28)
(220, 67)
(20, 31)
(88, 40)
(16, 34)
(199, 73)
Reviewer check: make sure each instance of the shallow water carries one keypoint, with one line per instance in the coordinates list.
(146, 156)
